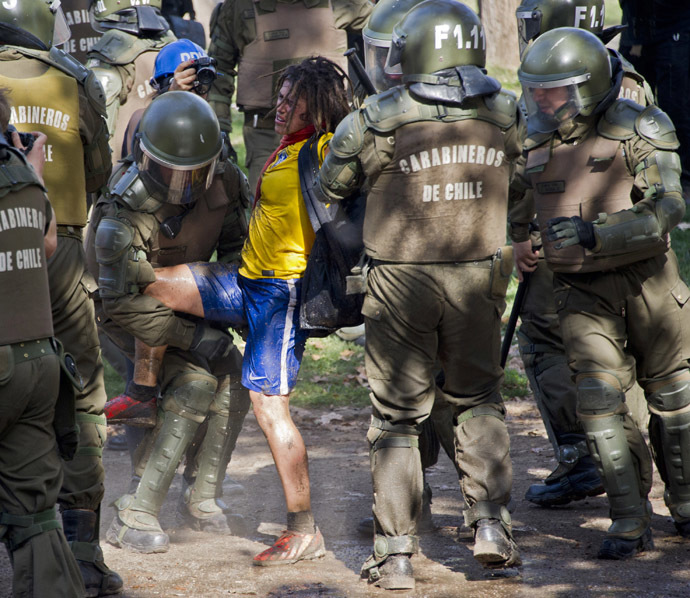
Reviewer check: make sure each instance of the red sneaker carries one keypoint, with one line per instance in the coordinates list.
(292, 547)
(123, 409)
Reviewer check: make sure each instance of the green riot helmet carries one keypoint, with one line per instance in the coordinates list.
(178, 147)
(143, 19)
(35, 24)
(564, 72)
(377, 35)
(535, 17)
(437, 35)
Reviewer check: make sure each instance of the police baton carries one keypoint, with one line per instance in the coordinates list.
(360, 71)
(514, 314)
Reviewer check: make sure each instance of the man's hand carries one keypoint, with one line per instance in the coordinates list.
(211, 343)
(35, 157)
(183, 77)
(525, 258)
(571, 231)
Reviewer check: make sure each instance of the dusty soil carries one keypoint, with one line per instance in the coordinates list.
(558, 545)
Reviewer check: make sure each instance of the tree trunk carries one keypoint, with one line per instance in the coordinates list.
(500, 29)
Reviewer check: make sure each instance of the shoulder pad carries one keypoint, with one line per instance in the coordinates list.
(95, 93)
(387, 110)
(130, 191)
(654, 126)
(534, 140)
(618, 122)
(109, 80)
(349, 136)
(502, 109)
(120, 47)
(68, 64)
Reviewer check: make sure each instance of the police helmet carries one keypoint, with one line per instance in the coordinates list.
(436, 35)
(535, 17)
(35, 24)
(564, 72)
(377, 35)
(178, 147)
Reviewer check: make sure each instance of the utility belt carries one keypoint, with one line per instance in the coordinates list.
(259, 119)
(27, 350)
(64, 230)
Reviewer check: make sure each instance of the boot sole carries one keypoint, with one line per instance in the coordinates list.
(396, 582)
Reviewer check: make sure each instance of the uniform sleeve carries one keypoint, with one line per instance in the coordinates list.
(351, 15)
(94, 136)
(227, 42)
(142, 316)
(521, 208)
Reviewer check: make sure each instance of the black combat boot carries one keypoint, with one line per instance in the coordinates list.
(81, 530)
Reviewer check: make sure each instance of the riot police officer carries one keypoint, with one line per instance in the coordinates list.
(539, 337)
(620, 300)
(53, 93)
(179, 200)
(30, 469)
(431, 181)
(83, 36)
(123, 59)
(255, 41)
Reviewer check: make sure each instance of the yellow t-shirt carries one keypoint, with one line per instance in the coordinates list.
(280, 234)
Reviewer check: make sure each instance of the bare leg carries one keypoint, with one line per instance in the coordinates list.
(175, 287)
(286, 444)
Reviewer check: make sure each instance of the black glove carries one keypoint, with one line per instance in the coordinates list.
(571, 231)
(210, 343)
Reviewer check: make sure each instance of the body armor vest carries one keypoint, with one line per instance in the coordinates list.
(201, 227)
(25, 312)
(46, 99)
(285, 36)
(83, 37)
(583, 179)
(442, 197)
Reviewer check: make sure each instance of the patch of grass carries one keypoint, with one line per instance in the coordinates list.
(332, 373)
(114, 385)
(515, 384)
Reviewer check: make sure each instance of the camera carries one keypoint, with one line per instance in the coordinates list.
(27, 139)
(205, 73)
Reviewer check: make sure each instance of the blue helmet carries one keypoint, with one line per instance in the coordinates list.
(170, 57)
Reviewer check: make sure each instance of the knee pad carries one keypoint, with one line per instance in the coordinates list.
(491, 410)
(383, 434)
(672, 395)
(190, 395)
(599, 396)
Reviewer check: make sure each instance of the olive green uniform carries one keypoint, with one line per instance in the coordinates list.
(123, 64)
(53, 93)
(194, 390)
(430, 181)
(541, 345)
(621, 306)
(30, 468)
(260, 38)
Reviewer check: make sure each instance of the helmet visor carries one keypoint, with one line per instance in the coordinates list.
(375, 56)
(549, 106)
(393, 64)
(179, 185)
(529, 25)
(61, 31)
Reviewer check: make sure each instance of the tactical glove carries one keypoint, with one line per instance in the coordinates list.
(211, 343)
(571, 231)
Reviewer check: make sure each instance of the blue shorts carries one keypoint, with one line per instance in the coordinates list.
(270, 308)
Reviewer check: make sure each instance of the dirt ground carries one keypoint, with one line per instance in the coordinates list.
(558, 545)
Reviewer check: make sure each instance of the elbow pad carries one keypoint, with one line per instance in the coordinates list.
(121, 270)
(338, 178)
(626, 232)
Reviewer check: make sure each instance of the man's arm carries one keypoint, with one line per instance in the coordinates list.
(226, 46)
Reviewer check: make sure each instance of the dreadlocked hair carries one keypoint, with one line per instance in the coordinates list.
(321, 83)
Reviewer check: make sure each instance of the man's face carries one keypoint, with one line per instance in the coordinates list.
(551, 99)
(291, 115)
